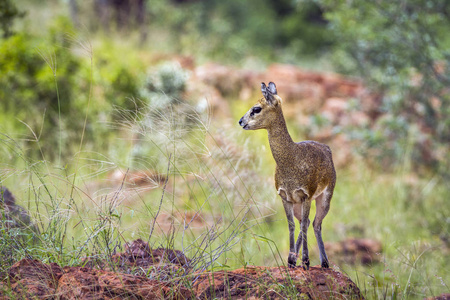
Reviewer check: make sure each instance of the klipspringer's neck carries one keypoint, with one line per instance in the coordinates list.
(280, 141)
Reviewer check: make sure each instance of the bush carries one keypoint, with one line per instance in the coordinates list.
(164, 85)
(402, 51)
(8, 13)
(39, 83)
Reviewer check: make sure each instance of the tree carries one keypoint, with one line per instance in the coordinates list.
(402, 50)
(8, 13)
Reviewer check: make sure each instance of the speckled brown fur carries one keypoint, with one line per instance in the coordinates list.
(304, 171)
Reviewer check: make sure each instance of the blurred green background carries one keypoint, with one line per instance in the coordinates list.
(95, 92)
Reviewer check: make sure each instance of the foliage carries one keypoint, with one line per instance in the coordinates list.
(39, 82)
(45, 84)
(117, 79)
(303, 28)
(259, 28)
(8, 13)
(163, 86)
(402, 51)
(262, 29)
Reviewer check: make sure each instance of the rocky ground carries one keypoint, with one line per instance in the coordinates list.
(142, 273)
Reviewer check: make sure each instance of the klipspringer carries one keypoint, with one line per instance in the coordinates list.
(304, 171)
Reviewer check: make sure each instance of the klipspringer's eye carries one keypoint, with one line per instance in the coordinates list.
(257, 109)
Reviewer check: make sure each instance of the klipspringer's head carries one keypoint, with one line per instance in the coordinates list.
(262, 114)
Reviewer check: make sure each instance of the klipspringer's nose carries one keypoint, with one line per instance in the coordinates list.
(240, 122)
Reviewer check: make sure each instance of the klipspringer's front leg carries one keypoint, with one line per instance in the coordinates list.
(300, 196)
(289, 209)
(306, 206)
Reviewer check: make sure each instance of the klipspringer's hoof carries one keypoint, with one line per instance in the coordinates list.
(292, 260)
(305, 265)
(325, 264)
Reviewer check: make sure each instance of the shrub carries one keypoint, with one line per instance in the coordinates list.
(402, 51)
(164, 85)
(39, 83)
(8, 13)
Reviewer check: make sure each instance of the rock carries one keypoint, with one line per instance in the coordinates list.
(139, 249)
(334, 109)
(211, 101)
(342, 148)
(137, 178)
(302, 89)
(440, 297)
(16, 227)
(228, 81)
(371, 104)
(12, 215)
(355, 251)
(140, 259)
(167, 221)
(186, 62)
(336, 85)
(332, 84)
(276, 283)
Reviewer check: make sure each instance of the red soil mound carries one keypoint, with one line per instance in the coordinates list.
(276, 283)
(32, 279)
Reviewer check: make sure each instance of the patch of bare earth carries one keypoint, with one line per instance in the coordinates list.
(142, 273)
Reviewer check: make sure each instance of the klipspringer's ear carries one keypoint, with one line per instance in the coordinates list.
(263, 89)
(272, 88)
(268, 92)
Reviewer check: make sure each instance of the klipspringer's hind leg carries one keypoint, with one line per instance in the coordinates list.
(288, 208)
(306, 206)
(322, 208)
(298, 216)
